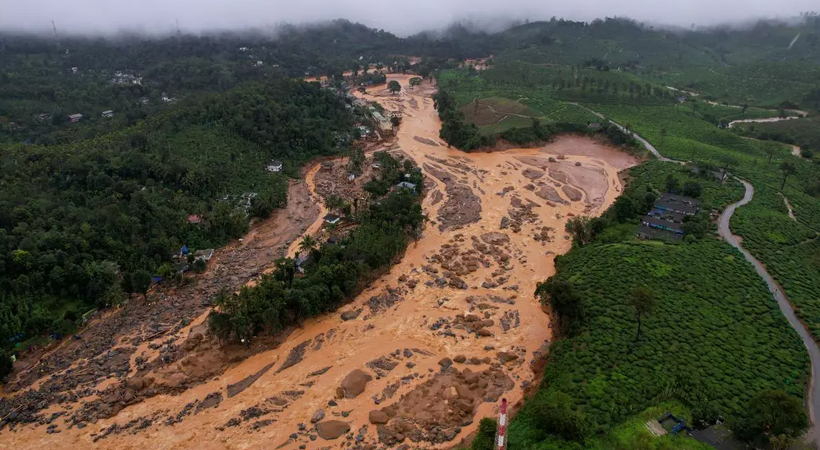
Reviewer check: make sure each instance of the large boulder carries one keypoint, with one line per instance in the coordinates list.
(506, 357)
(332, 429)
(135, 383)
(378, 417)
(192, 342)
(351, 315)
(354, 383)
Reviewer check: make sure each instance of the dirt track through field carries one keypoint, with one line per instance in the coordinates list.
(447, 332)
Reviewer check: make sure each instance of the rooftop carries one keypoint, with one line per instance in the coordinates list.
(678, 203)
(660, 223)
(679, 199)
(667, 215)
(647, 232)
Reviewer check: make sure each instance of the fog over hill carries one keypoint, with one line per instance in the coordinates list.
(160, 16)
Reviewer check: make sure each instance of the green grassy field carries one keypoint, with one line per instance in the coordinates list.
(495, 105)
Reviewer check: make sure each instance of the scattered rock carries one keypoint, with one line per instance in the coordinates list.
(382, 363)
(317, 416)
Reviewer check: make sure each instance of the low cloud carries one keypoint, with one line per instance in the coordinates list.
(400, 17)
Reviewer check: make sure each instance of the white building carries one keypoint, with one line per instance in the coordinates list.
(274, 166)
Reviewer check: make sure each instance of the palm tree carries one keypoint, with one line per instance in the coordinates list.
(643, 301)
(332, 202)
(285, 270)
(307, 244)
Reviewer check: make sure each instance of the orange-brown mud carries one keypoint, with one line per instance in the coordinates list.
(439, 338)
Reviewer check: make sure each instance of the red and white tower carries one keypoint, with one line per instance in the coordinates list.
(501, 434)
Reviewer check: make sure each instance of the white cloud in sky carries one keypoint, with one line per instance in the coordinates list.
(401, 17)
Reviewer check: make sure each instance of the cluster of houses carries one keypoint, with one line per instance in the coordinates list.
(665, 220)
(382, 120)
(74, 118)
(121, 77)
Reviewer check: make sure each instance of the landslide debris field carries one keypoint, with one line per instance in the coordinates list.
(418, 358)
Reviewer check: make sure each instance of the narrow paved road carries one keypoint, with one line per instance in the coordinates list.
(813, 396)
(812, 399)
(640, 139)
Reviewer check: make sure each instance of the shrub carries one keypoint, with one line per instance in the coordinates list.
(773, 413)
(485, 438)
(692, 189)
(6, 366)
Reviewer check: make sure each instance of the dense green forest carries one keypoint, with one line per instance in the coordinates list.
(82, 223)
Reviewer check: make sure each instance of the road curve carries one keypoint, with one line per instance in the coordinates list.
(813, 397)
(812, 400)
(640, 139)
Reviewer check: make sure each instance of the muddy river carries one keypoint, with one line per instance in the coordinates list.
(451, 329)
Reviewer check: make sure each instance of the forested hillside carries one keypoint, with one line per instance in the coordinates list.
(81, 223)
